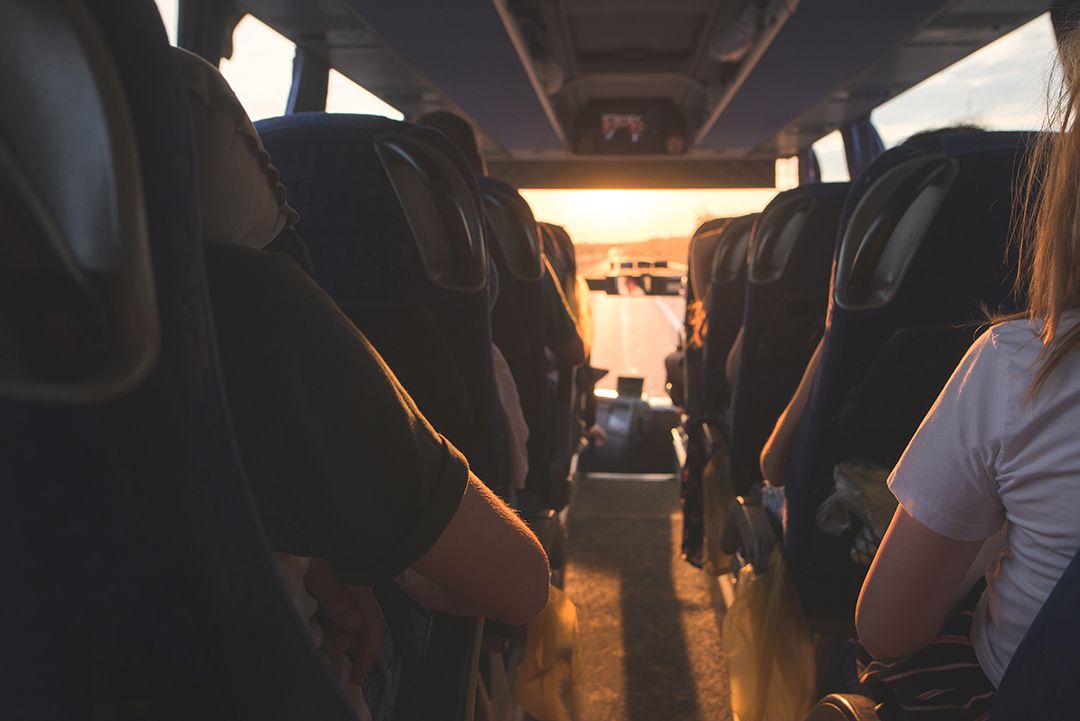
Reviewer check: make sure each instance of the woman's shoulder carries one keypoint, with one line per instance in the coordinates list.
(1018, 335)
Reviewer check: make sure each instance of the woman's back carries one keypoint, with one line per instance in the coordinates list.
(989, 453)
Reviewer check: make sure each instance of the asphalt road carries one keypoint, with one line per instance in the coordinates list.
(632, 334)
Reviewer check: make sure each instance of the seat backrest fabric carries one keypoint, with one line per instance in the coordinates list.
(786, 298)
(517, 320)
(724, 309)
(141, 581)
(1040, 682)
(929, 225)
(699, 272)
(369, 245)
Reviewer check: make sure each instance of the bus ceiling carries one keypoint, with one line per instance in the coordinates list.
(628, 93)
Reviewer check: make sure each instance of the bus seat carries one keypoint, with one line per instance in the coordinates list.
(1040, 681)
(564, 399)
(392, 215)
(724, 309)
(139, 581)
(517, 318)
(1037, 683)
(922, 250)
(787, 293)
(698, 274)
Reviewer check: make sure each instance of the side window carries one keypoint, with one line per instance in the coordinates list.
(830, 152)
(999, 87)
(170, 15)
(260, 70)
(345, 96)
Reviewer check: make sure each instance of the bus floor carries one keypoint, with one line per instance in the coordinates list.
(649, 622)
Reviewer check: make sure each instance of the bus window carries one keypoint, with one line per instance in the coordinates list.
(999, 87)
(260, 69)
(830, 153)
(345, 96)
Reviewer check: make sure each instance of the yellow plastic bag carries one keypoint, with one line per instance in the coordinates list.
(545, 674)
(718, 490)
(769, 648)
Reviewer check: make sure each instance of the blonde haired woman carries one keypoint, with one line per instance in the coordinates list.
(999, 448)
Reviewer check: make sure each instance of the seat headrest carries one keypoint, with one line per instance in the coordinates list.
(460, 133)
(776, 234)
(559, 248)
(440, 205)
(729, 258)
(785, 220)
(702, 250)
(364, 183)
(515, 229)
(78, 313)
(886, 228)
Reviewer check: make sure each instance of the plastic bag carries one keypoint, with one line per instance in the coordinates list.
(545, 674)
(769, 648)
(719, 493)
(861, 493)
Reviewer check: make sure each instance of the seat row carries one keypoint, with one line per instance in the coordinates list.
(889, 278)
(141, 550)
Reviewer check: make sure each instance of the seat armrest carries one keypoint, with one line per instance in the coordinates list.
(844, 707)
(749, 533)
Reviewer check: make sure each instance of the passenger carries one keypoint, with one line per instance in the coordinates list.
(343, 468)
(999, 447)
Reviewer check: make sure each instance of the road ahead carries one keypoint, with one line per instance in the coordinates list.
(632, 334)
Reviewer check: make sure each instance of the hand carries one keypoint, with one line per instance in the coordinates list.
(354, 622)
(597, 435)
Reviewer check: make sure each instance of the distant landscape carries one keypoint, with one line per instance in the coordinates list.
(592, 257)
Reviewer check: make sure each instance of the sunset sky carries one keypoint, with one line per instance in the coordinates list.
(1001, 86)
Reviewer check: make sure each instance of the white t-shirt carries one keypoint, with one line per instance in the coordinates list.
(984, 455)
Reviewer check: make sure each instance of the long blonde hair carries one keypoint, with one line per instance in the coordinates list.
(1048, 221)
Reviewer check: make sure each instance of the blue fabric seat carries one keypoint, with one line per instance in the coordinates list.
(923, 249)
(1040, 682)
(724, 309)
(517, 318)
(786, 298)
(698, 273)
(140, 583)
(392, 215)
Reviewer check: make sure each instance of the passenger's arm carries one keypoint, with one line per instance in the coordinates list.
(488, 560)
(774, 455)
(911, 587)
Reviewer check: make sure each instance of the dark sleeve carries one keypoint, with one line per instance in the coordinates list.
(560, 326)
(341, 463)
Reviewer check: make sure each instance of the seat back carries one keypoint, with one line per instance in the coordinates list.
(141, 583)
(791, 254)
(393, 217)
(922, 250)
(724, 309)
(1040, 681)
(517, 321)
(565, 402)
(698, 275)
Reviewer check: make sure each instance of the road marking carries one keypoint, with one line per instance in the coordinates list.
(676, 321)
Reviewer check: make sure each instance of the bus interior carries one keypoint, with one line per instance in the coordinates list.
(615, 402)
